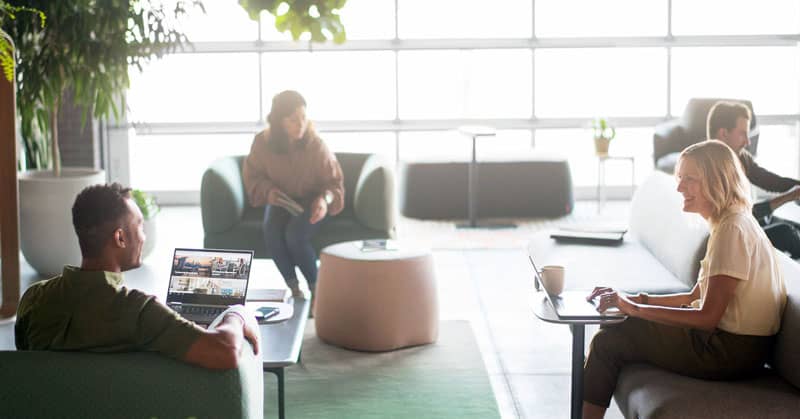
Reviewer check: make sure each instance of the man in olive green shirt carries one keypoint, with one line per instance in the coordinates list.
(87, 308)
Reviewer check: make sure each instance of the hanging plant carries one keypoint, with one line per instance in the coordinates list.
(319, 18)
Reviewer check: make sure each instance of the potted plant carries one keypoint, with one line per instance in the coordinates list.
(603, 134)
(149, 207)
(84, 53)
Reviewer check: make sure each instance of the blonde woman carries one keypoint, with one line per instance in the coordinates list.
(723, 328)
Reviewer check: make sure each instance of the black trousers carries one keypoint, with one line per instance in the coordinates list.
(716, 355)
(784, 236)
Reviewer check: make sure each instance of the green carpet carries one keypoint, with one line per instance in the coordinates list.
(444, 380)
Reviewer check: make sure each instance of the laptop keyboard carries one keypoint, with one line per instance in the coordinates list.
(205, 311)
(199, 314)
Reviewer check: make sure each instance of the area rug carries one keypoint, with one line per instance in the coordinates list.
(446, 379)
(445, 235)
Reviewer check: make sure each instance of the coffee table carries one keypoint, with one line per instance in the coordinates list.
(281, 346)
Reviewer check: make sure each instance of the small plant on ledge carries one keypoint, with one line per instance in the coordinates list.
(146, 203)
(603, 134)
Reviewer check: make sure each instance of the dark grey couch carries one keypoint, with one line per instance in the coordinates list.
(534, 187)
(661, 254)
(229, 222)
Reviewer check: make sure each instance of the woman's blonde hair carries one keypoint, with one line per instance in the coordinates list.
(724, 183)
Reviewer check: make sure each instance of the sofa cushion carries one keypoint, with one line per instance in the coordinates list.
(675, 238)
(644, 391)
(787, 346)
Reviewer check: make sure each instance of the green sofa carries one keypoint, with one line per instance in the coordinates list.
(229, 222)
(43, 384)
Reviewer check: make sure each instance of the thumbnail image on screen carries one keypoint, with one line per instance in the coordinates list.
(210, 273)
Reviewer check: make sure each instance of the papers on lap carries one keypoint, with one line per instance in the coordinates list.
(286, 202)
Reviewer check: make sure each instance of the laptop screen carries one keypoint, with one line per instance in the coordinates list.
(209, 277)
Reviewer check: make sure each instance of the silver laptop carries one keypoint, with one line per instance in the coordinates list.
(572, 305)
(205, 282)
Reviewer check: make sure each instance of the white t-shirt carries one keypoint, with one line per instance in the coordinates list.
(738, 247)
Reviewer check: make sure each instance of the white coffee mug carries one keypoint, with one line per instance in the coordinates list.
(553, 279)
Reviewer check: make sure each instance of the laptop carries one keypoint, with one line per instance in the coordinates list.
(205, 282)
(572, 305)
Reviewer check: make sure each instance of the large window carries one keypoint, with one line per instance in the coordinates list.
(413, 71)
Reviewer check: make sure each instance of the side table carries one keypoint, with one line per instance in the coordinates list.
(545, 312)
(601, 176)
(281, 345)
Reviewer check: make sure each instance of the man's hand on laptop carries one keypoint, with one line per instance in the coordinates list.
(250, 329)
(222, 344)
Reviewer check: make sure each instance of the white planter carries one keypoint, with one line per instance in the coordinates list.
(47, 237)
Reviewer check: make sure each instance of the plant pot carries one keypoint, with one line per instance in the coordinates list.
(601, 145)
(47, 237)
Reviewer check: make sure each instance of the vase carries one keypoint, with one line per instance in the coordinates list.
(601, 145)
(47, 236)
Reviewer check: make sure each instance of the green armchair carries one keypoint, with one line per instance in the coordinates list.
(229, 222)
(43, 384)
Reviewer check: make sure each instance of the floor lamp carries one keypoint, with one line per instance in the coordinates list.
(9, 202)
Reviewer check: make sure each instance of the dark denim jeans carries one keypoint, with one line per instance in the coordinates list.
(288, 240)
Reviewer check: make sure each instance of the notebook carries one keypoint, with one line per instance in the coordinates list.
(572, 305)
(205, 282)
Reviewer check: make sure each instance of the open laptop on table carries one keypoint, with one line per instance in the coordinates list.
(205, 282)
(572, 305)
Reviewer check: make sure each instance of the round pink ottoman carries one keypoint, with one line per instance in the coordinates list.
(376, 300)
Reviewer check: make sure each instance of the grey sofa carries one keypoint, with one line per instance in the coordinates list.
(532, 187)
(229, 222)
(661, 254)
(42, 384)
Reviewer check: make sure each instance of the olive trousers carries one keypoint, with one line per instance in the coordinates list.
(716, 355)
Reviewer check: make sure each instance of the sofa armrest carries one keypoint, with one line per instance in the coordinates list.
(374, 195)
(126, 385)
(667, 138)
(222, 196)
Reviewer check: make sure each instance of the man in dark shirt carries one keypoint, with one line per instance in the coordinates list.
(87, 308)
(729, 122)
